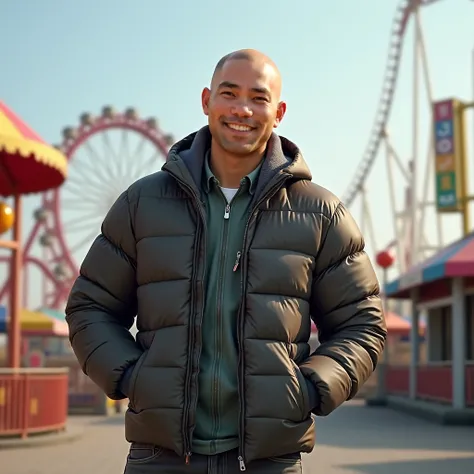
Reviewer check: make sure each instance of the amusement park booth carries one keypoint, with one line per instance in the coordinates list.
(41, 337)
(442, 290)
(45, 344)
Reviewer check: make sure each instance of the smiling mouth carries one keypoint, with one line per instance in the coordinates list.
(239, 127)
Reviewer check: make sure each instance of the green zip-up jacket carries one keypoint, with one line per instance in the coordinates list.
(302, 258)
(217, 428)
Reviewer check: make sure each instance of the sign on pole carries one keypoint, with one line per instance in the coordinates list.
(449, 156)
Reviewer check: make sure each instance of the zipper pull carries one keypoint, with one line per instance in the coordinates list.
(188, 457)
(227, 212)
(237, 261)
(242, 464)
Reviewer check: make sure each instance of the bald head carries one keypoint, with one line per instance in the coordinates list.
(253, 56)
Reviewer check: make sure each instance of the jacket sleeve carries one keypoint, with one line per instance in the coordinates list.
(347, 310)
(102, 304)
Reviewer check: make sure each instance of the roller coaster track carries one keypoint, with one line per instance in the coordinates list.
(404, 11)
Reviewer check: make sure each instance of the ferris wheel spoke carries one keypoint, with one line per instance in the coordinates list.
(90, 181)
(146, 165)
(100, 180)
(87, 240)
(123, 160)
(80, 223)
(113, 155)
(106, 164)
(134, 168)
(80, 178)
(81, 194)
(80, 198)
(125, 155)
(80, 191)
(76, 205)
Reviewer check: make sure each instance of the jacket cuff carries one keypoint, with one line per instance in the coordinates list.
(313, 395)
(124, 384)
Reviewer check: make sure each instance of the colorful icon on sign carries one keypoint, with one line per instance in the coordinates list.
(446, 181)
(447, 200)
(445, 163)
(446, 189)
(444, 129)
(443, 110)
(443, 146)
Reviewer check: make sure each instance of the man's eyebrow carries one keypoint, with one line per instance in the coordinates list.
(231, 85)
(228, 84)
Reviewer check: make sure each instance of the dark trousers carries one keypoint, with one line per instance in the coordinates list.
(143, 459)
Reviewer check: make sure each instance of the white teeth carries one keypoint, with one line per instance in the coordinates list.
(239, 128)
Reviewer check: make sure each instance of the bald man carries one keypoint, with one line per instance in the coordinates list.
(224, 257)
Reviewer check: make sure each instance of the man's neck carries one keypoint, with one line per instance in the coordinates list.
(230, 169)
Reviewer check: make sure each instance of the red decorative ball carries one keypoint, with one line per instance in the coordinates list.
(385, 259)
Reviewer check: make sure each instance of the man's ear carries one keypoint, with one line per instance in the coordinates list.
(281, 110)
(205, 96)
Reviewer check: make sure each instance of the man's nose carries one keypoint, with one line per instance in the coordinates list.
(242, 109)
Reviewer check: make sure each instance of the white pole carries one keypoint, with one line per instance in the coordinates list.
(414, 187)
(370, 224)
(429, 173)
(399, 241)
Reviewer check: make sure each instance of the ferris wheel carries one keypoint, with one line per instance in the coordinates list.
(417, 229)
(106, 154)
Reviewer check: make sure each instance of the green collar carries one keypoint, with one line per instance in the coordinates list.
(209, 178)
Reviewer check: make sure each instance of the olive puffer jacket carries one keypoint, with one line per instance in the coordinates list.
(302, 257)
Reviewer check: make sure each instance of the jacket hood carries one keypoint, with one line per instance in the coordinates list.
(282, 156)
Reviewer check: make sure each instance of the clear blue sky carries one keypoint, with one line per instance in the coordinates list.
(61, 58)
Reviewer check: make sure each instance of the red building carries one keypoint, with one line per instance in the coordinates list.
(441, 289)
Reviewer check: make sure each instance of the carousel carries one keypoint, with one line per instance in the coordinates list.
(31, 400)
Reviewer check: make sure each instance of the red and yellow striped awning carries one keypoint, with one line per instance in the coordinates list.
(27, 163)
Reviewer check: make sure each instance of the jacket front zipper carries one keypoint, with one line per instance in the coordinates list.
(187, 433)
(242, 257)
(222, 264)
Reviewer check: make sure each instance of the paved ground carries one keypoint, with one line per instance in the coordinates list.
(354, 440)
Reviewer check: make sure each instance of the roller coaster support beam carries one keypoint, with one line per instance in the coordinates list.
(466, 226)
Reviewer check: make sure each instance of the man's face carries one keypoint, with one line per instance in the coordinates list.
(243, 106)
